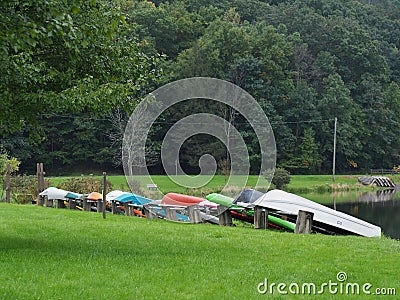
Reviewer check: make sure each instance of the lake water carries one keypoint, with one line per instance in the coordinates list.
(381, 208)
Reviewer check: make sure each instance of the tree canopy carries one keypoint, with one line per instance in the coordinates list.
(305, 62)
(72, 56)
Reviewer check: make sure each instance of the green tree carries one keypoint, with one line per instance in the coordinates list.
(305, 158)
(337, 102)
(60, 56)
(6, 159)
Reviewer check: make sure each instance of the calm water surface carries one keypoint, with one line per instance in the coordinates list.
(381, 208)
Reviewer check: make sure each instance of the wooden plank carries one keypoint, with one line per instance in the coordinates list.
(304, 222)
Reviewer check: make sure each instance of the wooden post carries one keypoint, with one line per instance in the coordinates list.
(170, 214)
(60, 203)
(42, 173)
(71, 204)
(224, 216)
(130, 212)
(40, 177)
(114, 207)
(40, 201)
(194, 214)
(49, 202)
(260, 218)
(8, 183)
(126, 209)
(87, 205)
(104, 194)
(304, 222)
(99, 206)
(148, 212)
(334, 152)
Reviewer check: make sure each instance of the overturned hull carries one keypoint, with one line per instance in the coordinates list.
(325, 218)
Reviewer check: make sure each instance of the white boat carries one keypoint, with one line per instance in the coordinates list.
(324, 217)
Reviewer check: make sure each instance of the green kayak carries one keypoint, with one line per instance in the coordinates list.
(228, 202)
(220, 199)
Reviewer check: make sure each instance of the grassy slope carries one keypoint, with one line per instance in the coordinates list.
(298, 182)
(60, 254)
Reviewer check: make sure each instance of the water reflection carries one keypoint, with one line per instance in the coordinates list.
(381, 208)
(379, 196)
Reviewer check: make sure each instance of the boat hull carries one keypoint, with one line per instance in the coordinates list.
(325, 217)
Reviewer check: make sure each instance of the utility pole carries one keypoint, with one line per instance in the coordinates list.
(334, 152)
(104, 194)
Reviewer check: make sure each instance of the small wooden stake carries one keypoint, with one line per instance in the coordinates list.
(304, 222)
(260, 218)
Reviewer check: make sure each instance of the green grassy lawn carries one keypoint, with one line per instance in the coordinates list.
(60, 254)
(298, 184)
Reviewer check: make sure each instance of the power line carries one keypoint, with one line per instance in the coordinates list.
(193, 123)
(74, 117)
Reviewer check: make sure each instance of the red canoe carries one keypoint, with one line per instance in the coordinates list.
(185, 200)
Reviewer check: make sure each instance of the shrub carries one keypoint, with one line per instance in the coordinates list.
(134, 185)
(24, 188)
(84, 185)
(26, 184)
(280, 178)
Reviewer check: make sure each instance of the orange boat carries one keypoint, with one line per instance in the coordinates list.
(94, 196)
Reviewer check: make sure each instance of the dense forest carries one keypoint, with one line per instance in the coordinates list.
(72, 74)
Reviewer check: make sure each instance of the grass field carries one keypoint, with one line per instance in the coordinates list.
(60, 254)
(298, 184)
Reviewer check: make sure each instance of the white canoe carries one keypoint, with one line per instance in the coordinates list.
(288, 203)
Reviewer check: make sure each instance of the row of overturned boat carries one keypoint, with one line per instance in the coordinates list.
(282, 207)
